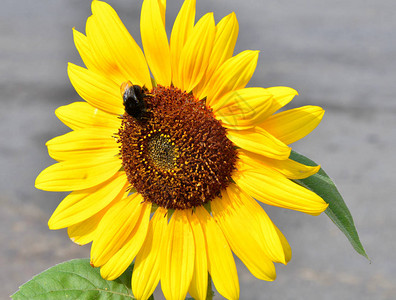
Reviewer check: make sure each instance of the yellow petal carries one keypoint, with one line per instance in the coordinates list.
(84, 232)
(96, 90)
(115, 228)
(77, 174)
(244, 108)
(290, 168)
(194, 57)
(121, 260)
(241, 205)
(162, 8)
(233, 74)
(146, 272)
(259, 141)
(271, 187)
(226, 36)
(199, 282)
(221, 263)
(81, 205)
(294, 124)
(242, 232)
(282, 95)
(79, 115)
(155, 41)
(84, 49)
(104, 64)
(182, 28)
(223, 47)
(87, 142)
(177, 264)
(285, 245)
(109, 33)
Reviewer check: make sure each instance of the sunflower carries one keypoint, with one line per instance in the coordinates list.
(166, 168)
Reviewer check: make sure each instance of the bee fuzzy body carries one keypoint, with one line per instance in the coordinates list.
(134, 100)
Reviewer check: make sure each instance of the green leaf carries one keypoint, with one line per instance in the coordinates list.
(75, 279)
(337, 211)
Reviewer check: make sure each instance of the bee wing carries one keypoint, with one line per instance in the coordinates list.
(125, 86)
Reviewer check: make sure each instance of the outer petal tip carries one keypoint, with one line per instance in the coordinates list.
(51, 224)
(38, 183)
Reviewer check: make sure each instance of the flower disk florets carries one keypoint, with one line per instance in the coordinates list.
(178, 155)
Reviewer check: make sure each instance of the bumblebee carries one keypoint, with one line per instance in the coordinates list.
(134, 100)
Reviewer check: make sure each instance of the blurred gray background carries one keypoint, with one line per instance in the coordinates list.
(340, 55)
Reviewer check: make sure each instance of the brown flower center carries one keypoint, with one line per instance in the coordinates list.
(176, 154)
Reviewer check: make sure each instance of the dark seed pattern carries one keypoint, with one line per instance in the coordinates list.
(180, 157)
